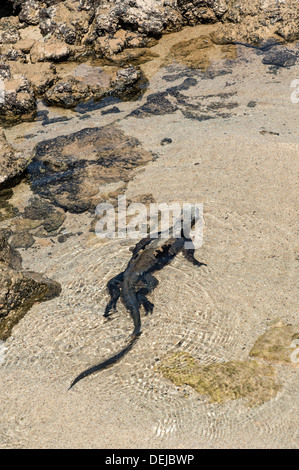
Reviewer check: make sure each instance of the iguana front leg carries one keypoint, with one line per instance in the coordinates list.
(140, 245)
(189, 255)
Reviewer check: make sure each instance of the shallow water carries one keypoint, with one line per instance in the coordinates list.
(232, 140)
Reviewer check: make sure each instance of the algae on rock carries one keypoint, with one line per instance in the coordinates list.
(221, 382)
(275, 345)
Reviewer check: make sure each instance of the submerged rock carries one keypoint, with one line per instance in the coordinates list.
(70, 169)
(19, 290)
(251, 380)
(127, 83)
(70, 91)
(277, 344)
(280, 57)
(67, 93)
(156, 104)
(39, 219)
(8, 255)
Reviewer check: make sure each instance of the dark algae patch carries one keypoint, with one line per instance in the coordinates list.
(156, 104)
(22, 239)
(251, 380)
(197, 106)
(280, 57)
(39, 218)
(39, 209)
(113, 110)
(7, 210)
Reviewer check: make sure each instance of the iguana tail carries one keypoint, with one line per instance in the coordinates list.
(108, 362)
(131, 303)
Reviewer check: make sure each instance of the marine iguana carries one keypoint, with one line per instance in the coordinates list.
(133, 284)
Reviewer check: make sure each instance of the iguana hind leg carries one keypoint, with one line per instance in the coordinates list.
(147, 305)
(114, 287)
(150, 283)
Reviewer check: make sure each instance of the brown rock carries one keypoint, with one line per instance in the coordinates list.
(4, 73)
(7, 210)
(66, 21)
(126, 81)
(12, 163)
(22, 240)
(106, 47)
(25, 45)
(18, 101)
(12, 53)
(8, 255)
(19, 290)
(30, 12)
(289, 31)
(71, 91)
(9, 33)
(82, 21)
(195, 12)
(49, 50)
(92, 83)
(250, 380)
(42, 75)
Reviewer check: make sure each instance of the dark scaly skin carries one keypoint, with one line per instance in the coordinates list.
(133, 284)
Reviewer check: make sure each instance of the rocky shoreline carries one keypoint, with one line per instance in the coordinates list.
(45, 45)
(45, 33)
